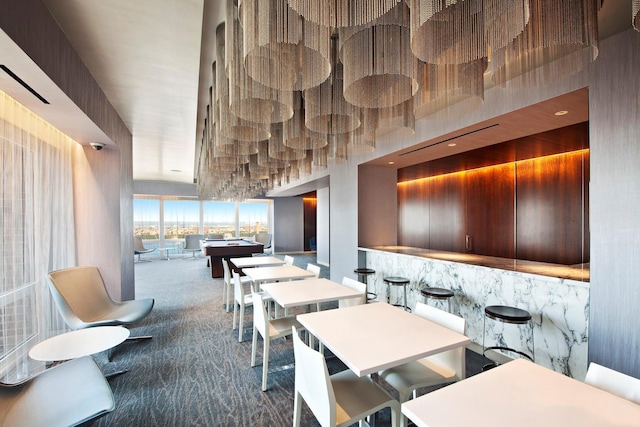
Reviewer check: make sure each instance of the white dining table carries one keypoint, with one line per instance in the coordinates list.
(256, 261)
(308, 291)
(399, 336)
(521, 393)
(261, 275)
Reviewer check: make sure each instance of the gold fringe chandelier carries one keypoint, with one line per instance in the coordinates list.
(302, 85)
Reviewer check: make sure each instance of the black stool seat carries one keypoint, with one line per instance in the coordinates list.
(507, 314)
(364, 271)
(396, 281)
(436, 293)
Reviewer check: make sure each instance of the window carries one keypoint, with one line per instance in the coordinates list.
(181, 217)
(163, 222)
(220, 218)
(146, 219)
(252, 219)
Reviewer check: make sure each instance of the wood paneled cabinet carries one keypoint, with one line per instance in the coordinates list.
(533, 209)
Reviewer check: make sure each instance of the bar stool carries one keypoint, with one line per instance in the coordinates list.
(363, 273)
(512, 315)
(398, 281)
(440, 294)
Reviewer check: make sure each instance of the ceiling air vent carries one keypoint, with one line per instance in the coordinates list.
(23, 83)
(449, 139)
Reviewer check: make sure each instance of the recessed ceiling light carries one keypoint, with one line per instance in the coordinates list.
(391, 163)
(561, 113)
(176, 170)
(453, 144)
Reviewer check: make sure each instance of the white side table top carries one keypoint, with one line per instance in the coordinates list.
(271, 274)
(400, 336)
(256, 261)
(524, 394)
(308, 291)
(82, 342)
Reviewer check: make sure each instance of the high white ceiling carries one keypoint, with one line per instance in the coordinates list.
(146, 57)
(152, 59)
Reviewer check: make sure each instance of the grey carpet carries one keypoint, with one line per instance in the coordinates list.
(194, 372)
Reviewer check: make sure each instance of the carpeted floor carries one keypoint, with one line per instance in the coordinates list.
(194, 372)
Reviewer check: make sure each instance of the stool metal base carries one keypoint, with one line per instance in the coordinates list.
(507, 314)
(363, 273)
(399, 281)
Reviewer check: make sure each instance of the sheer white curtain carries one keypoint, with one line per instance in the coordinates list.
(37, 230)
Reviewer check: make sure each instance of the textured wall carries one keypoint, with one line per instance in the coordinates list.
(614, 107)
(104, 209)
(288, 227)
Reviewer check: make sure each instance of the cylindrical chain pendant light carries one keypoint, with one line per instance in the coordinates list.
(560, 38)
(635, 14)
(342, 13)
(248, 99)
(382, 121)
(281, 50)
(279, 151)
(504, 20)
(379, 68)
(326, 111)
(457, 88)
(447, 31)
(230, 126)
(294, 132)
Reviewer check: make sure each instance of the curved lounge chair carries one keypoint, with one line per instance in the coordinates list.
(83, 301)
(139, 249)
(70, 394)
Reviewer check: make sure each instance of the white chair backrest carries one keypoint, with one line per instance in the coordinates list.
(264, 238)
(355, 285)
(452, 359)
(315, 269)
(614, 382)
(288, 260)
(80, 294)
(260, 319)
(192, 241)
(238, 290)
(312, 381)
(137, 244)
(227, 274)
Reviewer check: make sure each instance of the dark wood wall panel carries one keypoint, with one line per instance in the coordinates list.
(413, 214)
(550, 209)
(447, 212)
(490, 210)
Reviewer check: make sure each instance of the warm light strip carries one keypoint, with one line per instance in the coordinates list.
(514, 164)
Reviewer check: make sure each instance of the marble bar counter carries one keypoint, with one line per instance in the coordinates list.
(556, 296)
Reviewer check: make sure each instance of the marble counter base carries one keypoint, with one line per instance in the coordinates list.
(559, 307)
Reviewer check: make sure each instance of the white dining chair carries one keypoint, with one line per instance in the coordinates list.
(288, 260)
(241, 300)
(315, 269)
(614, 382)
(337, 400)
(442, 368)
(269, 330)
(228, 284)
(357, 286)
